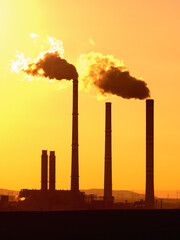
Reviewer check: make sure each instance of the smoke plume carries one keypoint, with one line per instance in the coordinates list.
(51, 66)
(110, 76)
(107, 74)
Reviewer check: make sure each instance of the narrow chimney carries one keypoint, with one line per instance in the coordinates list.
(108, 158)
(44, 170)
(75, 157)
(52, 171)
(150, 153)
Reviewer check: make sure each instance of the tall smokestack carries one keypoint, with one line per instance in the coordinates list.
(150, 153)
(108, 164)
(44, 170)
(52, 171)
(75, 157)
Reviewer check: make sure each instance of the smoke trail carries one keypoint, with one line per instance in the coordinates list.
(52, 66)
(106, 73)
(110, 76)
(49, 64)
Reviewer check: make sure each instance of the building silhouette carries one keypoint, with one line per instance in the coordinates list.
(75, 146)
(52, 171)
(149, 197)
(44, 171)
(108, 158)
(49, 198)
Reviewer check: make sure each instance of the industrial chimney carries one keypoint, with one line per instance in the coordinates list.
(44, 170)
(52, 171)
(108, 158)
(75, 157)
(150, 153)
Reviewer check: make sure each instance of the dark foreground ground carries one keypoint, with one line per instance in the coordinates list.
(108, 224)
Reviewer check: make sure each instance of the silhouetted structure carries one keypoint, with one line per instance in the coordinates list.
(149, 153)
(108, 158)
(47, 201)
(48, 198)
(52, 171)
(75, 154)
(44, 170)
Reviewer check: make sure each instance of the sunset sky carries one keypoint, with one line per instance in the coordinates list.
(37, 115)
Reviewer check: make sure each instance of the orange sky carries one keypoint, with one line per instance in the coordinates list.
(37, 115)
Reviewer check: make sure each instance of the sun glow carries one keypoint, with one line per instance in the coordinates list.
(33, 35)
(21, 63)
(55, 46)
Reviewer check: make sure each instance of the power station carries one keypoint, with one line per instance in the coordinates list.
(48, 198)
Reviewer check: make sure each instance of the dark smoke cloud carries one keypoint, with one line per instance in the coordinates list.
(121, 83)
(110, 76)
(52, 66)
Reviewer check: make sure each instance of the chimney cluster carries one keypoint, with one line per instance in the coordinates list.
(149, 195)
(44, 171)
(75, 153)
(108, 198)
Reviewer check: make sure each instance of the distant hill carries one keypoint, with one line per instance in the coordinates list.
(119, 195)
(8, 192)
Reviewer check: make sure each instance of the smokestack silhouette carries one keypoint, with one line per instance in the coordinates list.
(75, 154)
(52, 66)
(44, 170)
(108, 168)
(52, 171)
(150, 153)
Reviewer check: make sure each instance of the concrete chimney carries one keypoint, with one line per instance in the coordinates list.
(75, 154)
(149, 153)
(52, 171)
(44, 170)
(108, 157)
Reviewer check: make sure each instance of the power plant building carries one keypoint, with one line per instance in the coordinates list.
(48, 198)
